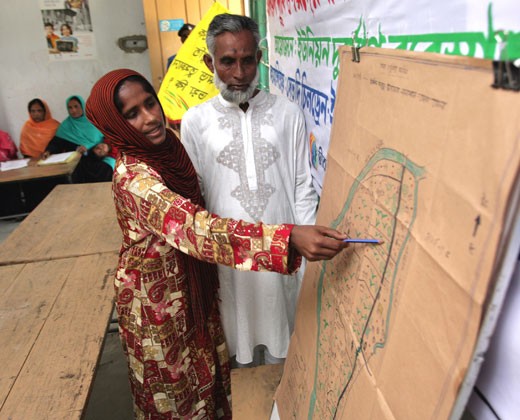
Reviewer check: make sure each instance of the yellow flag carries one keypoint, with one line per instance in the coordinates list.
(188, 80)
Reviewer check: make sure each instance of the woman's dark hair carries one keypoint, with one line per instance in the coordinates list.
(74, 98)
(67, 26)
(35, 101)
(147, 87)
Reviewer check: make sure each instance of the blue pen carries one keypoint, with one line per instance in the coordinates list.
(362, 241)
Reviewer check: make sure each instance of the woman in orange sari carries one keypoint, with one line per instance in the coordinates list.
(38, 130)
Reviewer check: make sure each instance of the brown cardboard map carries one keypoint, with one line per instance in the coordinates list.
(424, 157)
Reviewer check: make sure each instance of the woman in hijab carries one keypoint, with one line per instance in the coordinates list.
(76, 132)
(166, 290)
(8, 150)
(38, 130)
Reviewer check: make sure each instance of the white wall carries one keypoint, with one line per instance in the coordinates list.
(26, 71)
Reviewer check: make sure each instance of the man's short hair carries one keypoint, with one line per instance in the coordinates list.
(227, 22)
(186, 27)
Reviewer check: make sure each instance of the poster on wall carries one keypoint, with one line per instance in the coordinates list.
(67, 29)
(304, 37)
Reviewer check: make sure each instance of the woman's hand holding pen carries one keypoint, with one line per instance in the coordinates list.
(317, 243)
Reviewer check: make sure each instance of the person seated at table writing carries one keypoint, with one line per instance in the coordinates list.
(38, 130)
(77, 133)
(166, 282)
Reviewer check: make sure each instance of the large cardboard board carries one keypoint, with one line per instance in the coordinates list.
(424, 155)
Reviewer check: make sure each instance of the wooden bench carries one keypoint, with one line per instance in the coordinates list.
(53, 319)
(56, 273)
(26, 187)
(252, 391)
(73, 220)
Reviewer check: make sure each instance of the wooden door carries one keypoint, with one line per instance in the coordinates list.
(164, 44)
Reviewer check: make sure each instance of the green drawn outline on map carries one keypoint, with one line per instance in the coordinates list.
(418, 172)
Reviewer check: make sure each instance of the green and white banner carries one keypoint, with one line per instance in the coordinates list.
(304, 36)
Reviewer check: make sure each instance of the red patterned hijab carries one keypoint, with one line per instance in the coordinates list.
(169, 159)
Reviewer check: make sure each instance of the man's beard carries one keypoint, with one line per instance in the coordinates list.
(236, 96)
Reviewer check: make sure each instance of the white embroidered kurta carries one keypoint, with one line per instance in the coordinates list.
(253, 166)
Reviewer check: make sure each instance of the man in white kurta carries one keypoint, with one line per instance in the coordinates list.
(253, 165)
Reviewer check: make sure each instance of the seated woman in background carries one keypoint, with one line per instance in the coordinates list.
(38, 130)
(77, 133)
(8, 150)
(11, 203)
(106, 152)
(98, 164)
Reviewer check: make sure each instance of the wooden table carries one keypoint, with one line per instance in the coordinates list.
(34, 171)
(53, 320)
(24, 188)
(74, 220)
(56, 275)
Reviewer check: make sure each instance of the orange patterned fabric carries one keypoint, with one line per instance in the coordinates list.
(175, 373)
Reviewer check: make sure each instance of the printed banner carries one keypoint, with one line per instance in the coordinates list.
(188, 81)
(68, 29)
(305, 36)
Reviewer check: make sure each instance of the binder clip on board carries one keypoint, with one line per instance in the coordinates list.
(507, 74)
(506, 70)
(356, 48)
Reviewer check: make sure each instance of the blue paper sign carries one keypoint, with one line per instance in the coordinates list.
(169, 25)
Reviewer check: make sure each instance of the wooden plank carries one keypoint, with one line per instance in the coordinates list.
(193, 11)
(252, 391)
(26, 304)
(73, 220)
(13, 313)
(154, 42)
(50, 347)
(170, 41)
(205, 5)
(34, 171)
(236, 6)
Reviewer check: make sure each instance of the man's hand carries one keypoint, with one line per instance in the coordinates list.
(317, 242)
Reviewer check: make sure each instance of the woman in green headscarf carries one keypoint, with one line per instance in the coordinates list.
(77, 133)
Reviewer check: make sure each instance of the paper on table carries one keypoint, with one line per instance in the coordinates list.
(13, 164)
(58, 158)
